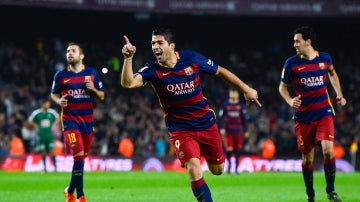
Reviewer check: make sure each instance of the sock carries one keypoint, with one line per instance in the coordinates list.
(309, 180)
(44, 161)
(78, 176)
(330, 170)
(76, 180)
(71, 187)
(237, 156)
(201, 190)
(54, 161)
(228, 157)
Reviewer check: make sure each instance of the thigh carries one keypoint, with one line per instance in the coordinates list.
(87, 140)
(50, 145)
(185, 146)
(238, 139)
(41, 144)
(194, 144)
(229, 142)
(211, 145)
(325, 129)
(73, 141)
(305, 134)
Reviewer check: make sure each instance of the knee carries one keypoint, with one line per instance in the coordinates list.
(308, 160)
(216, 169)
(328, 153)
(79, 156)
(307, 163)
(194, 169)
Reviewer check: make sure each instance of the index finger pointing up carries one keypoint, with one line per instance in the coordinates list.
(127, 41)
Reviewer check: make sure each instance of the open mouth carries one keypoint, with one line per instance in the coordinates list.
(158, 52)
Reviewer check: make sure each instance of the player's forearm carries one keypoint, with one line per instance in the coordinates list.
(285, 93)
(235, 81)
(55, 98)
(232, 79)
(334, 79)
(99, 94)
(127, 74)
(34, 125)
(57, 122)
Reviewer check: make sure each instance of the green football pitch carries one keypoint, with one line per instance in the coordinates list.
(140, 186)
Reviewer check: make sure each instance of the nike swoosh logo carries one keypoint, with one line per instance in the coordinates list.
(67, 80)
(166, 73)
(301, 68)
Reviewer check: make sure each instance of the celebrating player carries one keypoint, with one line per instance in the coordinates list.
(175, 78)
(309, 71)
(74, 89)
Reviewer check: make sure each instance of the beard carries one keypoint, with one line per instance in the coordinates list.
(72, 62)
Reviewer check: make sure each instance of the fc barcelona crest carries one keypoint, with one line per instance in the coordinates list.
(188, 71)
(322, 65)
(87, 78)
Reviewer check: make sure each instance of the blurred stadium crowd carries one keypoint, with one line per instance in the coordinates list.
(27, 70)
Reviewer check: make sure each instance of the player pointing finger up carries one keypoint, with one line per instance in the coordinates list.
(128, 50)
(175, 77)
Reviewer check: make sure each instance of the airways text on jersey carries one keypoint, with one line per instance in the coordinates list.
(181, 88)
(313, 81)
(78, 93)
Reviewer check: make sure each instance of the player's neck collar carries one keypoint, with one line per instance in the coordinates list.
(74, 70)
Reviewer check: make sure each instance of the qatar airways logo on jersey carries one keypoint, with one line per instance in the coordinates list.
(181, 88)
(78, 93)
(233, 114)
(313, 81)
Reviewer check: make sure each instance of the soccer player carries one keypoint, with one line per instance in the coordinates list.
(43, 120)
(74, 89)
(232, 124)
(309, 72)
(175, 78)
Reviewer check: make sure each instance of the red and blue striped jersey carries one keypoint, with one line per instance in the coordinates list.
(232, 118)
(179, 91)
(78, 114)
(310, 79)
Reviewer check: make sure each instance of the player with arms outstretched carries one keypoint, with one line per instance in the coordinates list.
(74, 89)
(309, 72)
(175, 78)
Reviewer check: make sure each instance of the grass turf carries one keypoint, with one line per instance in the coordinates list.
(140, 186)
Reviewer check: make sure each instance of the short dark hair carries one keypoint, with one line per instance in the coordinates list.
(78, 45)
(233, 89)
(166, 32)
(307, 33)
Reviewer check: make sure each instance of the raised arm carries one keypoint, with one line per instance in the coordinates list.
(128, 78)
(250, 94)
